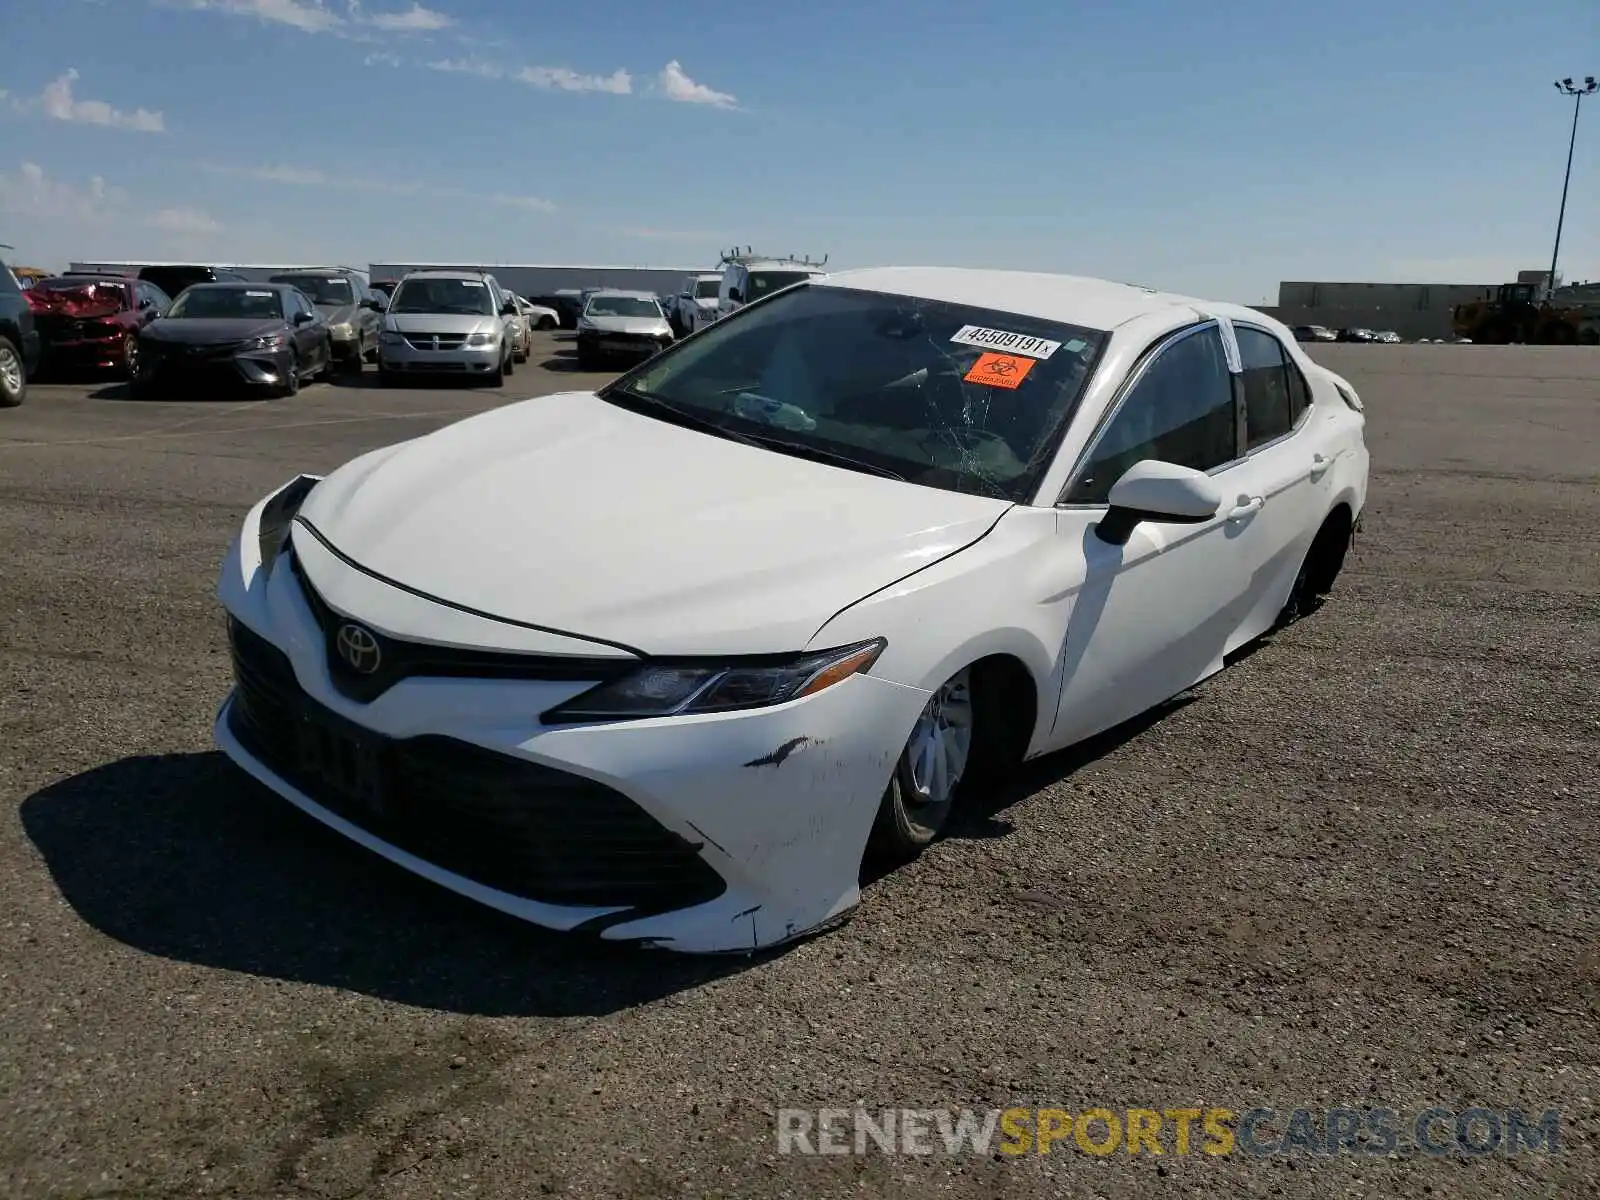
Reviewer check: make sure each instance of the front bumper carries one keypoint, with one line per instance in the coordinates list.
(180, 366)
(634, 345)
(76, 348)
(400, 355)
(712, 833)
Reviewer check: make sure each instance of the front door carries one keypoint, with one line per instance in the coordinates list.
(1156, 615)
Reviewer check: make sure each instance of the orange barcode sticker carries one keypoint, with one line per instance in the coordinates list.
(999, 370)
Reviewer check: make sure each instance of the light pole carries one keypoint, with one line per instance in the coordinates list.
(1577, 91)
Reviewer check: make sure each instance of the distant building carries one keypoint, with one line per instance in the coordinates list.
(1413, 310)
(257, 272)
(530, 279)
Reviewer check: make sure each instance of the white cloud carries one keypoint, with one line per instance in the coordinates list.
(58, 103)
(415, 19)
(618, 83)
(188, 221)
(468, 66)
(678, 86)
(312, 16)
(312, 177)
(318, 16)
(381, 58)
(29, 192)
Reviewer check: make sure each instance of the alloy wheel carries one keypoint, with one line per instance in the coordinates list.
(941, 743)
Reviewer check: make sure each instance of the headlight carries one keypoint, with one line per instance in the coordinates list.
(483, 339)
(675, 689)
(343, 331)
(278, 516)
(268, 341)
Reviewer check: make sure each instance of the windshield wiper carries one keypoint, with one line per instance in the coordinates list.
(817, 454)
(658, 406)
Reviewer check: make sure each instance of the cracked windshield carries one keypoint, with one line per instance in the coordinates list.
(966, 399)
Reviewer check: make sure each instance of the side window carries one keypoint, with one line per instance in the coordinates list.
(1180, 411)
(163, 301)
(1299, 393)
(8, 282)
(1269, 410)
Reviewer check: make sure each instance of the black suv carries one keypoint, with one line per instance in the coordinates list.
(19, 341)
(173, 279)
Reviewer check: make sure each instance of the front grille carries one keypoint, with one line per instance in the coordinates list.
(398, 659)
(519, 827)
(447, 341)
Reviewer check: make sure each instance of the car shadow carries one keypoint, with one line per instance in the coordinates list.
(979, 818)
(185, 857)
(564, 361)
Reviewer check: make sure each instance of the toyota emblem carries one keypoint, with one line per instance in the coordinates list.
(359, 648)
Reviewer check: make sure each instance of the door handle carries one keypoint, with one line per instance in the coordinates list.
(1319, 464)
(1246, 506)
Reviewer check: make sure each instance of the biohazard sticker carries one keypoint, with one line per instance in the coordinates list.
(999, 370)
(1002, 339)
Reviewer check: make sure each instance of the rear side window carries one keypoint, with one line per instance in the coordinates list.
(1270, 408)
(8, 282)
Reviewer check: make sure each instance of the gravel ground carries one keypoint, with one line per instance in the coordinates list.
(1359, 867)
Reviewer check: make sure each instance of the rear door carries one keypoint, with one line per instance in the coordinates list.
(1283, 474)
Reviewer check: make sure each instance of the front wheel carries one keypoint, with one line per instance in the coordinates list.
(929, 771)
(13, 379)
(291, 379)
(130, 357)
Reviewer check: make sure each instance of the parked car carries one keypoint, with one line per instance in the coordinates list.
(384, 287)
(621, 324)
(518, 330)
(27, 277)
(353, 314)
(695, 304)
(267, 336)
(746, 280)
(1388, 337)
(19, 340)
(1356, 334)
(794, 624)
(1314, 333)
(93, 321)
(448, 323)
(172, 279)
(538, 316)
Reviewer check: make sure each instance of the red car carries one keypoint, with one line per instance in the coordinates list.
(93, 321)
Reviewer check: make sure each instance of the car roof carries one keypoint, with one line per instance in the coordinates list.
(237, 285)
(1068, 299)
(478, 275)
(625, 293)
(314, 272)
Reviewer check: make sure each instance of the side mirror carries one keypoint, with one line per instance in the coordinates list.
(1158, 491)
(304, 318)
(146, 305)
(372, 305)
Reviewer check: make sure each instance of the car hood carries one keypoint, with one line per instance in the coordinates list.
(210, 331)
(441, 323)
(649, 325)
(334, 314)
(572, 514)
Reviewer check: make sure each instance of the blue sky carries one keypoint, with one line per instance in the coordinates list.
(1211, 148)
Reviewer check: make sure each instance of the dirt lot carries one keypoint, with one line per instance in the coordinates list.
(1360, 867)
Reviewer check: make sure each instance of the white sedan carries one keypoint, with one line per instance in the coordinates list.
(662, 662)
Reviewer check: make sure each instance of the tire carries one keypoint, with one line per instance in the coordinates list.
(1318, 570)
(130, 357)
(511, 364)
(545, 324)
(388, 379)
(291, 383)
(918, 800)
(498, 377)
(13, 375)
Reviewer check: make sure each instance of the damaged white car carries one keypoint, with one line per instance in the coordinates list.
(660, 662)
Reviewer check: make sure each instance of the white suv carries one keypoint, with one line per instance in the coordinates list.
(745, 279)
(696, 302)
